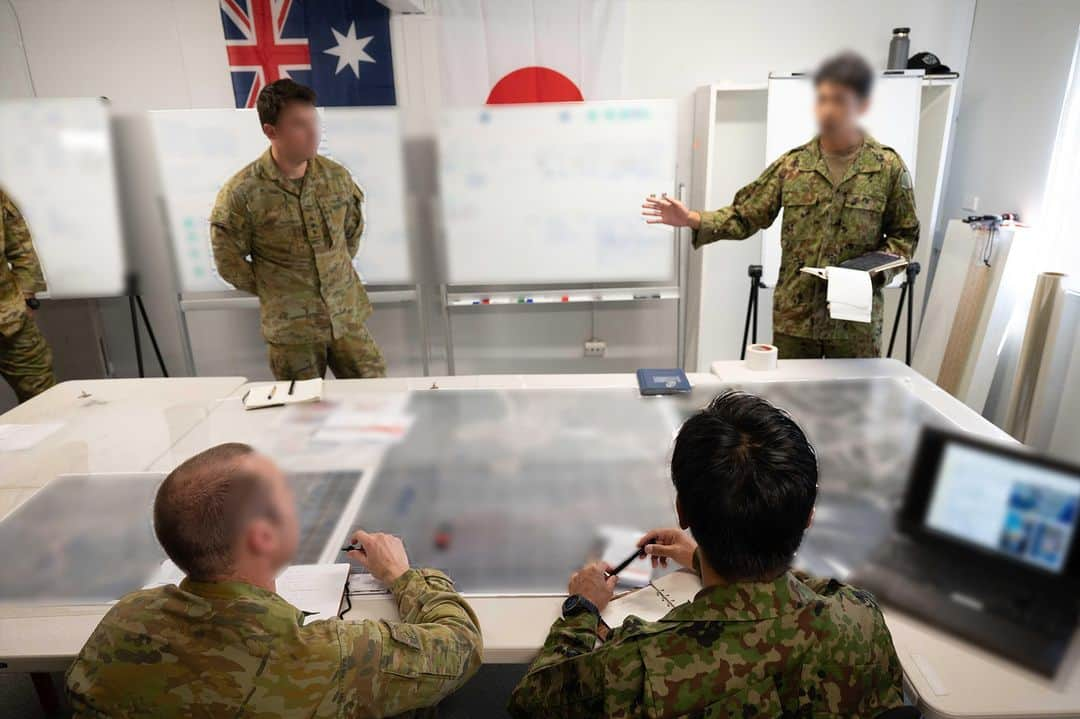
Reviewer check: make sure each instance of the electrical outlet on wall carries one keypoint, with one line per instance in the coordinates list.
(595, 348)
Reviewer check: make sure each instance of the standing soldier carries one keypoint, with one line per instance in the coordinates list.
(25, 357)
(286, 228)
(844, 195)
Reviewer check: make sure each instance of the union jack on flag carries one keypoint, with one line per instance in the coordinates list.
(340, 48)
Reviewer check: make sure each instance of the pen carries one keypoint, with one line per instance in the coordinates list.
(626, 562)
(353, 548)
(273, 388)
(292, 386)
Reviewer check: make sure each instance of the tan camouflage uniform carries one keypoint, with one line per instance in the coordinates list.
(25, 357)
(795, 647)
(229, 649)
(872, 208)
(301, 237)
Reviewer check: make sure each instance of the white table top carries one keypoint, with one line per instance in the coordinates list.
(109, 425)
(951, 677)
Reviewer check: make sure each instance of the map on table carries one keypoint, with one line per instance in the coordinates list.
(89, 538)
(504, 489)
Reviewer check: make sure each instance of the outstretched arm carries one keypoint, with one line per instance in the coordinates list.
(754, 208)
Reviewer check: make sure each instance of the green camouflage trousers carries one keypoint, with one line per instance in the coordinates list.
(353, 357)
(26, 361)
(863, 345)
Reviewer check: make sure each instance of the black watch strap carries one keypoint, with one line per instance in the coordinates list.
(576, 604)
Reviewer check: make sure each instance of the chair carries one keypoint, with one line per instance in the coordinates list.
(901, 713)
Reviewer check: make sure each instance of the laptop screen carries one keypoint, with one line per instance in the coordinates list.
(1018, 509)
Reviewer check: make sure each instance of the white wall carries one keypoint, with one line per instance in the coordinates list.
(689, 43)
(151, 54)
(1009, 111)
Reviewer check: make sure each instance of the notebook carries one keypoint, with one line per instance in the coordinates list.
(870, 262)
(279, 394)
(662, 381)
(653, 601)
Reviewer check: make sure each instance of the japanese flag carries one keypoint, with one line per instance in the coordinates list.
(507, 51)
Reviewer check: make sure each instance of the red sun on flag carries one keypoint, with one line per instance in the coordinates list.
(534, 84)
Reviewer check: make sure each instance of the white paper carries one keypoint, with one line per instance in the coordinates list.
(313, 588)
(352, 425)
(654, 601)
(619, 543)
(16, 437)
(366, 584)
(850, 294)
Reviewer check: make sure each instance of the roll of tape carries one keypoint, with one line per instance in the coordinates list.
(761, 357)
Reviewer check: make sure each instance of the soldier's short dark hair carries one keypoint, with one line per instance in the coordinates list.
(203, 505)
(277, 95)
(850, 70)
(746, 478)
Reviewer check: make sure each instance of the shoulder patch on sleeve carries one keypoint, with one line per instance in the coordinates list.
(905, 179)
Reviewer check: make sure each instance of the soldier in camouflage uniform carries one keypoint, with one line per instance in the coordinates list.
(286, 228)
(222, 643)
(25, 357)
(758, 640)
(843, 195)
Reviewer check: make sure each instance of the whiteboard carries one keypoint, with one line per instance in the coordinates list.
(892, 119)
(56, 163)
(199, 150)
(552, 193)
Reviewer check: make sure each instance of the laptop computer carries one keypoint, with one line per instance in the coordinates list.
(987, 546)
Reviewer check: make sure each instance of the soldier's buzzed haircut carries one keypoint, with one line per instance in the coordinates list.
(277, 95)
(746, 477)
(203, 505)
(849, 70)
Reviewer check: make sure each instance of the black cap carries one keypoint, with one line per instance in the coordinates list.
(928, 62)
(901, 29)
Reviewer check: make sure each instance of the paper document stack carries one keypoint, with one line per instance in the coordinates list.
(850, 294)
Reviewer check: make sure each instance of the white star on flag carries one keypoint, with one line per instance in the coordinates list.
(350, 50)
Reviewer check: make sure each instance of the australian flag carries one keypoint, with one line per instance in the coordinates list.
(340, 48)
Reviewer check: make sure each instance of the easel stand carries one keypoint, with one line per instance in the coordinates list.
(751, 308)
(135, 299)
(907, 291)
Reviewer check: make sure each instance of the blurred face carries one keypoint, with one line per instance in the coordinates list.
(837, 109)
(295, 137)
(274, 539)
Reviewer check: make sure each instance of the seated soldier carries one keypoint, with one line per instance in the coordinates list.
(758, 640)
(223, 644)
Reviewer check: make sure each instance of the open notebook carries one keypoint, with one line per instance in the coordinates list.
(278, 394)
(654, 600)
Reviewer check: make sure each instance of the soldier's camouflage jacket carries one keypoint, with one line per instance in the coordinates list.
(20, 270)
(228, 649)
(871, 209)
(795, 647)
(300, 247)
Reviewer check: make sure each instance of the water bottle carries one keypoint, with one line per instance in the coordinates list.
(898, 48)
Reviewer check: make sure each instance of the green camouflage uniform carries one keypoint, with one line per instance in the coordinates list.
(229, 649)
(794, 647)
(871, 209)
(301, 237)
(25, 357)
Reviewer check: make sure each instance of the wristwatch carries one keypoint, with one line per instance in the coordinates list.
(576, 604)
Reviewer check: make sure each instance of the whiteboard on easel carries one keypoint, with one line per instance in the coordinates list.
(892, 119)
(199, 150)
(542, 194)
(56, 163)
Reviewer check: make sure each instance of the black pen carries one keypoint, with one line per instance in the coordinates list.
(353, 548)
(640, 553)
(292, 386)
